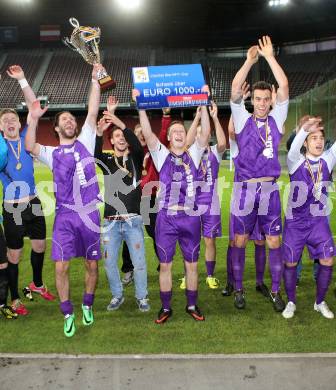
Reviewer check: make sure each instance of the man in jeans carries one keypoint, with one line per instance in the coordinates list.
(122, 219)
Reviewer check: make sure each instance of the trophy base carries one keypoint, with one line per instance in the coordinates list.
(106, 83)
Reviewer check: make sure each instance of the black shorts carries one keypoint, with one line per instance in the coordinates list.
(21, 220)
(3, 247)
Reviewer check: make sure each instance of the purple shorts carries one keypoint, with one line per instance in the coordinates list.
(254, 203)
(181, 228)
(76, 235)
(211, 224)
(314, 232)
(256, 234)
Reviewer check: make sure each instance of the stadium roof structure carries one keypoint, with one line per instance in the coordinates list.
(176, 23)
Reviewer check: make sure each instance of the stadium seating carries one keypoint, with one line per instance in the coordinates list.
(30, 60)
(67, 78)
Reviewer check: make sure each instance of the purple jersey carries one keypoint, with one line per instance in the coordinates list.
(208, 174)
(177, 176)
(305, 197)
(74, 171)
(258, 156)
(302, 175)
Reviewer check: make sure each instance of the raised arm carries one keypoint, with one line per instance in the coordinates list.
(165, 123)
(94, 97)
(191, 134)
(151, 139)
(130, 137)
(35, 113)
(16, 72)
(241, 75)
(312, 125)
(203, 137)
(112, 104)
(265, 49)
(221, 140)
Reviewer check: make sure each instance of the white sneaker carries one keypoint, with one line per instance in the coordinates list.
(115, 303)
(143, 304)
(324, 310)
(289, 310)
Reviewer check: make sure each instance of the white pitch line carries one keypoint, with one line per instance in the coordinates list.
(331, 355)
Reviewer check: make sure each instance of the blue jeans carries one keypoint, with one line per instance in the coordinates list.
(131, 231)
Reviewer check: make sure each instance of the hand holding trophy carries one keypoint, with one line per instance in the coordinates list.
(85, 40)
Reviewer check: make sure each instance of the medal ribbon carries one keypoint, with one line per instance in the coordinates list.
(123, 168)
(17, 156)
(316, 181)
(266, 130)
(185, 166)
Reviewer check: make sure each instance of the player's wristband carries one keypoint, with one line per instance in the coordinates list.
(23, 83)
(94, 81)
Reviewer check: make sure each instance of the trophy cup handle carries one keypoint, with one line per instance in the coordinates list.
(74, 22)
(67, 42)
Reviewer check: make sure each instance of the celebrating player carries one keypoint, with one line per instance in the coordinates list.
(207, 193)
(76, 231)
(122, 218)
(176, 220)
(5, 310)
(22, 209)
(148, 197)
(306, 221)
(257, 168)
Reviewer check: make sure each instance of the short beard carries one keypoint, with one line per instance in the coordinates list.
(66, 136)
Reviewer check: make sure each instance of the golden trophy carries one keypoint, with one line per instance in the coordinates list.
(85, 41)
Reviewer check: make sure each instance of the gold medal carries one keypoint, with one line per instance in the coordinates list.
(17, 155)
(144, 172)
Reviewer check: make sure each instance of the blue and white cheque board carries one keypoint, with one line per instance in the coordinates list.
(169, 86)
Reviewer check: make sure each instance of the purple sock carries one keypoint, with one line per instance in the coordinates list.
(276, 267)
(324, 275)
(229, 265)
(238, 264)
(191, 297)
(290, 283)
(210, 266)
(66, 307)
(88, 299)
(260, 262)
(165, 297)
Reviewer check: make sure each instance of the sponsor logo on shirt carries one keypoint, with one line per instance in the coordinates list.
(80, 169)
(67, 151)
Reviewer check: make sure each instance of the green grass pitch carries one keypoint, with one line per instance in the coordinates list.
(257, 329)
